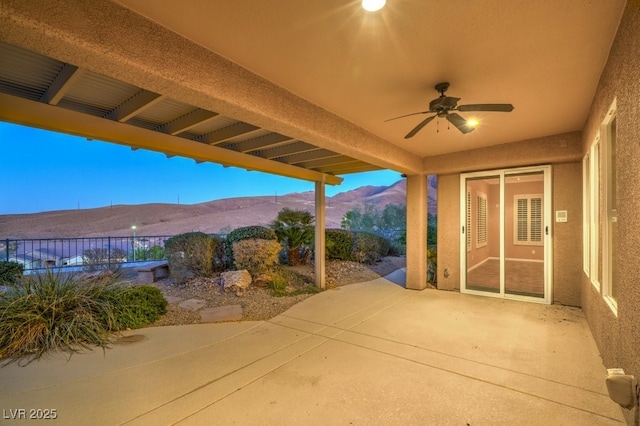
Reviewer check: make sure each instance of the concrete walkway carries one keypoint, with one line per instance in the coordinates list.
(369, 353)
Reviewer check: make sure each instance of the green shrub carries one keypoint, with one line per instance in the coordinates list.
(138, 306)
(99, 259)
(385, 247)
(219, 254)
(338, 244)
(250, 233)
(247, 233)
(368, 248)
(55, 311)
(255, 255)
(399, 245)
(152, 253)
(10, 272)
(194, 253)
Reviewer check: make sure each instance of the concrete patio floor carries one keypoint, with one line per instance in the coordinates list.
(369, 353)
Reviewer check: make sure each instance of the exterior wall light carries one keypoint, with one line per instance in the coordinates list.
(623, 388)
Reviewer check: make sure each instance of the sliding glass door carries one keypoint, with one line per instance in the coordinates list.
(481, 233)
(506, 241)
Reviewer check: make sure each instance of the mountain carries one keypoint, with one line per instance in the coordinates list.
(210, 217)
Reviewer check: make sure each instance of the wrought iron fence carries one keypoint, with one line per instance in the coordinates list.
(110, 252)
(85, 253)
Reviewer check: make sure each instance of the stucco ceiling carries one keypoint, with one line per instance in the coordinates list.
(302, 88)
(545, 57)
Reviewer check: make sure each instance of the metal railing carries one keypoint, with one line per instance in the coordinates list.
(85, 253)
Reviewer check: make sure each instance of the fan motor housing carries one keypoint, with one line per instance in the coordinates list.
(443, 103)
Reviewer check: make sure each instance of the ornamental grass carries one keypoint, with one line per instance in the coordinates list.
(55, 311)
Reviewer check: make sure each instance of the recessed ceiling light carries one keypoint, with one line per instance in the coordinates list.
(472, 123)
(373, 5)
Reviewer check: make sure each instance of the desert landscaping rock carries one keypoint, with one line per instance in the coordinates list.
(258, 303)
(221, 313)
(192, 304)
(235, 281)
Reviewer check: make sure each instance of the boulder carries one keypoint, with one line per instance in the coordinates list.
(236, 281)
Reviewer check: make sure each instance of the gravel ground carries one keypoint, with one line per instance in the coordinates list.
(259, 303)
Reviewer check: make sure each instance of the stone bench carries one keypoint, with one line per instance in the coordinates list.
(152, 272)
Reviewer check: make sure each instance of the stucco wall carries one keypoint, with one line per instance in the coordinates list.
(561, 148)
(618, 338)
(448, 232)
(567, 237)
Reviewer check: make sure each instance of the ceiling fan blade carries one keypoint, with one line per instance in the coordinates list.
(408, 115)
(419, 127)
(486, 107)
(460, 123)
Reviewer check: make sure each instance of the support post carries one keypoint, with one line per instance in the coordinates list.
(416, 232)
(320, 239)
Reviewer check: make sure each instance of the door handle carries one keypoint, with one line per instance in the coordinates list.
(546, 230)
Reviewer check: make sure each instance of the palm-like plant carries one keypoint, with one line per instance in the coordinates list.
(295, 230)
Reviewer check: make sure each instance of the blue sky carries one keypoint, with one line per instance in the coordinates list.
(42, 171)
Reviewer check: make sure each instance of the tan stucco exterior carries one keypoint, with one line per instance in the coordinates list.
(125, 46)
(417, 236)
(131, 48)
(546, 150)
(567, 237)
(449, 232)
(618, 337)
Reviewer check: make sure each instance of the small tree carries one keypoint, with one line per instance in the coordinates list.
(394, 216)
(370, 218)
(351, 219)
(295, 230)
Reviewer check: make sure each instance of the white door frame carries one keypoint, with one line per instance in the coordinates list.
(547, 233)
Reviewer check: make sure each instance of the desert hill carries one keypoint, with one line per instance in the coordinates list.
(210, 217)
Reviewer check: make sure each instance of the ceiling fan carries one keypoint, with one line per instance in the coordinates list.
(442, 107)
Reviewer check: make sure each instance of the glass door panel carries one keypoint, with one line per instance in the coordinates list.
(524, 234)
(506, 244)
(483, 234)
